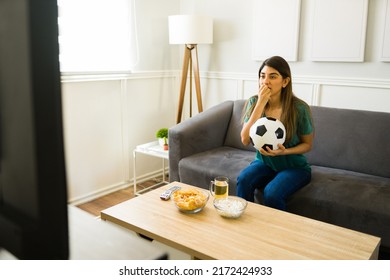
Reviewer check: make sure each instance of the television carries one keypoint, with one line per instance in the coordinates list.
(33, 190)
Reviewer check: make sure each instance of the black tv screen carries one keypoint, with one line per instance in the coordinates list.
(33, 193)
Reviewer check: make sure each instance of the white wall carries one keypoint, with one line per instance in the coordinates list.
(360, 85)
(231, 50)
(106, 117)
(104, 121)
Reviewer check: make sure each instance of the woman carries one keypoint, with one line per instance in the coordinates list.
(278, 173)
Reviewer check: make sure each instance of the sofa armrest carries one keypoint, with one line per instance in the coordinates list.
(204, 131)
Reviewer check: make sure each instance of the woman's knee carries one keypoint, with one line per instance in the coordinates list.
(274, 199)
(242, 178)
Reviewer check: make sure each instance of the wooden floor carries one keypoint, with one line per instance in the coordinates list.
(95, 206)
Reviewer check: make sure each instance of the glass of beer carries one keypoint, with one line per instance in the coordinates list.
(219, 187)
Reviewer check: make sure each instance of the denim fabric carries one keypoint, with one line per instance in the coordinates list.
(276, 186)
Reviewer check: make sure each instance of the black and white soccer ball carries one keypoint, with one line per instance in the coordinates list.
(267, 131)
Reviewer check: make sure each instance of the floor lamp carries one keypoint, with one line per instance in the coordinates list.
(190, 30)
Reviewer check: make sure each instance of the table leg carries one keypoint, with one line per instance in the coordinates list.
(163, 170)
(134, 173)
(164, 178)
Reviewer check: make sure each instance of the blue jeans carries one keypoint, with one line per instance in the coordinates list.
(277, 186)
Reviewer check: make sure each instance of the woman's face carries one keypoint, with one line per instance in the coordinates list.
(271, 78)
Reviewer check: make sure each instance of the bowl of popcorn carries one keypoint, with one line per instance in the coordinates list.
(190, 200)
(230, 207)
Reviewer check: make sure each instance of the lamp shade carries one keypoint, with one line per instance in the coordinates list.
(190, 29)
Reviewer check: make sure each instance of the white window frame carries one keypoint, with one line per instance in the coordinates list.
(97, 36)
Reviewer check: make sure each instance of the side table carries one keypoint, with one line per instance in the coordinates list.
(151, 149)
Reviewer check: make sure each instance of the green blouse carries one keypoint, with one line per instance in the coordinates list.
(304, 127)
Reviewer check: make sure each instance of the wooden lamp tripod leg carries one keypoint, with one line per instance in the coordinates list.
(194, 66)
(187, 57)
(197, 81)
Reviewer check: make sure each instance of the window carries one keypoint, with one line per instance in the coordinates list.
(97, 35)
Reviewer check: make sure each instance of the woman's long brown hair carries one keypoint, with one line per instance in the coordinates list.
(288, 99)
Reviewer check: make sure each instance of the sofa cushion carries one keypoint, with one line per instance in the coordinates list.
(233, 137)
(348, 199)
(352, 140)
(200, 133)
(201, 168)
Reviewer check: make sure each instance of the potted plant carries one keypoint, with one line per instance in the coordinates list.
(162, 136)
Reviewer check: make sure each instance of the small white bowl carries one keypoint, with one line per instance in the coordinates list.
(230, 207)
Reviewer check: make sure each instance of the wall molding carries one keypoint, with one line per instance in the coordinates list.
(334, 38)
(94, 77)
(241, 77)
(344, 81)
(317, 80)
(385, 55)
(264, 41)
(315, 90)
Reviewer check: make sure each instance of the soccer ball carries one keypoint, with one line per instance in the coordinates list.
(267, 131)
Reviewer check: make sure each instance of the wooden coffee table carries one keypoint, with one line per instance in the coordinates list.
(260, 233)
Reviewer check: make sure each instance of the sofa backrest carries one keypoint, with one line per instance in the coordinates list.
(233, 138)
(354, 140)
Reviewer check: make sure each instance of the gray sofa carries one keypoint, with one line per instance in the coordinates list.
(350, 161)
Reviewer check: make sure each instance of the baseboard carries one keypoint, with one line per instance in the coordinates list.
(113, 188)
(99, 193)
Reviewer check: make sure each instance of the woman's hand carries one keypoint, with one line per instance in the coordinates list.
(272, 153)
(301, 148)
(264, 94)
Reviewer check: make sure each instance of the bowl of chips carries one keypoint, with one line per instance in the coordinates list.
(190, 200)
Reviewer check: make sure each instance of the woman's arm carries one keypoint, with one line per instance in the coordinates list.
(303, 147)
(256, 114)
(263, 97)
